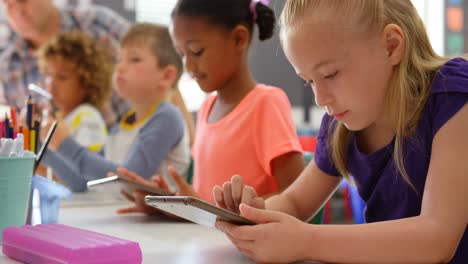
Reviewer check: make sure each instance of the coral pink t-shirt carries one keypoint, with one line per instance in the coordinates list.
(245, 141)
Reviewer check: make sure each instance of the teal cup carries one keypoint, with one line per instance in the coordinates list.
(15, 190)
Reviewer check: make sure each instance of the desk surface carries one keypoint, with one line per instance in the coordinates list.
(161, 240)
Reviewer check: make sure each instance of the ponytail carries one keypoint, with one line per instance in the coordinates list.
(231, 13)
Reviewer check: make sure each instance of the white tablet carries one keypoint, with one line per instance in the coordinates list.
(127, 184)
(195, 210)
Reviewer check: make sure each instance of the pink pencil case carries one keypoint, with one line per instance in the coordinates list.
(56, 243)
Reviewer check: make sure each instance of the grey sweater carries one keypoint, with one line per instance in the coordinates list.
(164, 131)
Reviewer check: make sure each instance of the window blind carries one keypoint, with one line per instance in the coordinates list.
(155, 11)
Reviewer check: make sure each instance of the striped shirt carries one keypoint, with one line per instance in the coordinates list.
(19, 66)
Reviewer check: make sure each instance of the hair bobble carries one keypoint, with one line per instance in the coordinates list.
(253, 7)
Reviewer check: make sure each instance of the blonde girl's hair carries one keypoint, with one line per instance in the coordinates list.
(410, 84)
(93, 63)
(160, 43)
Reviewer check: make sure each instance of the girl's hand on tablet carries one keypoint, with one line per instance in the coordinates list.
(261, 242)
(234, 192)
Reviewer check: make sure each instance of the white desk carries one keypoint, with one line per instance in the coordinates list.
(161, 240)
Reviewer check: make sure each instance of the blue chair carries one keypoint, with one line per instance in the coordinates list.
(304, 131)
(357, 204)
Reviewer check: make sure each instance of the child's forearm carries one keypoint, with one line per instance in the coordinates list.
(282, 203)
(410, 240)
(291, 200)
(66, 170)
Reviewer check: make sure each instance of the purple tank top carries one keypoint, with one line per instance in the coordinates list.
(384, 190)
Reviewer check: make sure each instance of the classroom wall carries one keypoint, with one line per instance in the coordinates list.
(269, 65)
(456, 27)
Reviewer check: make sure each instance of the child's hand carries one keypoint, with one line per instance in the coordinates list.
(233, 193)
(265, 242)
(183, 188)
(133, 176)
(138, 197)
